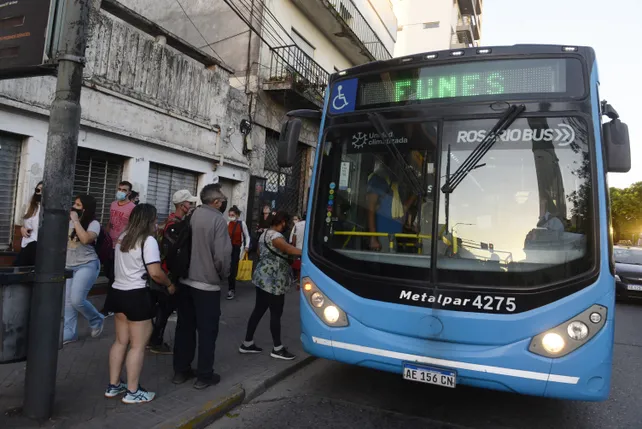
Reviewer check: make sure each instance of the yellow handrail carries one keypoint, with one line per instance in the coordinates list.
(361, 234)
(381, 234)
(422, 236)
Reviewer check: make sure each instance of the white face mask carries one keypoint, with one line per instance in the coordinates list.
(231, 218)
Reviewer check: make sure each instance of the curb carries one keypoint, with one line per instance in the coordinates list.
(210, 411)
(255, 391)
(218, 407)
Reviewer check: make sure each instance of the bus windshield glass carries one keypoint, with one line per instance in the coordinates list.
(525, 212)
(521, 217)
(373, 197)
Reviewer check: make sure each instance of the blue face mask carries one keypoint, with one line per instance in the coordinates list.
(120, 196)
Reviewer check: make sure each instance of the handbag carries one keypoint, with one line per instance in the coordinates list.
(244, 273)
(151, 284)
(273, 252)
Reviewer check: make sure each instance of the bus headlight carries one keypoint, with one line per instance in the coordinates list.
(317, 300)
(553, 343)
(330, 313)
(570, 335)
(577, 330)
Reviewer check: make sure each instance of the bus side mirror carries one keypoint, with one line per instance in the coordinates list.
(618, 147)
(288, 141)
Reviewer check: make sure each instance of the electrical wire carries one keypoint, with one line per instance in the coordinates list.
(204, 39)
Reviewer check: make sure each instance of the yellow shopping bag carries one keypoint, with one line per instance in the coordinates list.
(244, 273)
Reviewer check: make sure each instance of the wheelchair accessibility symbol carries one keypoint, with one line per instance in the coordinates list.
(343, 96)
(339, 101)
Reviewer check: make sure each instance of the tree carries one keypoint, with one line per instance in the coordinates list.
(626, 209)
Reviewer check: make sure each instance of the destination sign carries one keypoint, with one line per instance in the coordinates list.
(465, 80)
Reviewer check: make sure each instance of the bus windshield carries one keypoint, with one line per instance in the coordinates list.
(522, 217)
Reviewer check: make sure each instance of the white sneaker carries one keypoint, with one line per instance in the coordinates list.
(95, 332)
(141, 396)
(114, 390)
(231, 294)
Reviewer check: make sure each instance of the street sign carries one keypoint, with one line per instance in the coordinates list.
(27, 30)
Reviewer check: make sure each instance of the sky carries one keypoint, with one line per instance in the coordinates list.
(611, 27)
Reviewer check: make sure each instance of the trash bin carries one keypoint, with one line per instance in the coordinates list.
(16, 285)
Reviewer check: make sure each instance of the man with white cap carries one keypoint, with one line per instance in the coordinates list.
(166, 304)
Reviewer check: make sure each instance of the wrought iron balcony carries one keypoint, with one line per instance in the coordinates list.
(341, 22)
(350, 15)
(467, 30)
(292, 70)
(470, 7)
(471, 11)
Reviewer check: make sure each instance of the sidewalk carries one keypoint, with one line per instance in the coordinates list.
(83, 375)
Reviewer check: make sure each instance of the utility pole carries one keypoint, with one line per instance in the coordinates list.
(62, 142)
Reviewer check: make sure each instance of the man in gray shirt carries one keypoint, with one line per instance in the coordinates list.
(199, 300)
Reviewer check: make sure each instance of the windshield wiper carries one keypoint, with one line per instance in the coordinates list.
(382, 128)
(482, 149)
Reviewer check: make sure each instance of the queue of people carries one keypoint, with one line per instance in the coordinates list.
(145, 289)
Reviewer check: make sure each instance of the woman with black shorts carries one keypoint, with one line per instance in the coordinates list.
(137, 258)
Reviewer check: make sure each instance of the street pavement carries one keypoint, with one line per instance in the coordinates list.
(331, 395)
(83, 374)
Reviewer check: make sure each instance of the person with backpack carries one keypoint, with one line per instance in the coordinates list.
(82, 259)
(240, 237)
(272, 278)
(137, 269)
(199, 299)
(167, 235)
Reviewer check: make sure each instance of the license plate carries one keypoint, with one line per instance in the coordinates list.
(634, 287)
(430, 375)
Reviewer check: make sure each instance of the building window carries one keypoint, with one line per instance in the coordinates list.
(303, 44)
(98, 174)
(163, 181)
(433, 24)
(10, 147)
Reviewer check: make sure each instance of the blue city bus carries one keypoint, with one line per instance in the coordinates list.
(458, 223)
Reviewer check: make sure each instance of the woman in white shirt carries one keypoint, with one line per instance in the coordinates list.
(29, 230)
(137, 260)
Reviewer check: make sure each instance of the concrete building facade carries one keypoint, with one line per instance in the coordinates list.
(434, 25)
(281, 53)
(150, 115)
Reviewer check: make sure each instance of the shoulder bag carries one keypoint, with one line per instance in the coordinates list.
(151, 284)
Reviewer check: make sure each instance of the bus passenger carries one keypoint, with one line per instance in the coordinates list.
(386, 210)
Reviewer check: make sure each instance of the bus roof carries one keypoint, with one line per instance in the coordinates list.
(487, 52)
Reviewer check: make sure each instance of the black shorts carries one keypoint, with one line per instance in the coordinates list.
(137, 304)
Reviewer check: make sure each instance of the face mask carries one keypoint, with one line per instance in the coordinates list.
(120, 196)
(223, 207)
(231, 218)
(79, 212)
(37, 198)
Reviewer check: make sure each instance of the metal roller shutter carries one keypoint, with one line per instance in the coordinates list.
(98, 174)
(9, 166)
(163, 182)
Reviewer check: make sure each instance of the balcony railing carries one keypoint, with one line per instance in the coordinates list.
(346, 11)
(289, 64)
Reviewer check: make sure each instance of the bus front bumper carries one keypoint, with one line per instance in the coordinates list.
(584, 374)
